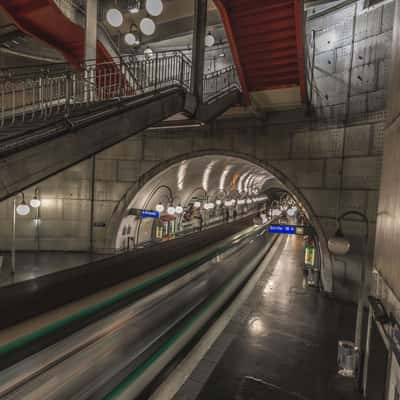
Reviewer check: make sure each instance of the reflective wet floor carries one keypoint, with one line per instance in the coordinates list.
(282, 345)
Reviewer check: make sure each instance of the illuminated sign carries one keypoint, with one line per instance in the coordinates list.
(144, 213)
(291, 229)
(150, 214)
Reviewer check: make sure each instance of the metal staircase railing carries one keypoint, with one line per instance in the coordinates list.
(40, 93)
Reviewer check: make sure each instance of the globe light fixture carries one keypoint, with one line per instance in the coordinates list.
(171, 210)
(147, 26)
(160, 208)
(154, 7)
(218, 202)
(23, 209)
(114, 17)
(209, 40)
(338, 245)
(148, 52)
(291, 211)
(35, 202)
(196, 204)
(130, 39)
(179, 209)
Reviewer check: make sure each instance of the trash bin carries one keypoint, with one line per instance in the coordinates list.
(347, 358)
(312, 277)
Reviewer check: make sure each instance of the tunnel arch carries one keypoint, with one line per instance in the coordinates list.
(282, 181)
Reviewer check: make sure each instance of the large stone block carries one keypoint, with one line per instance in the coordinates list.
(362, 173)
(130, 149)
(128, 170)
(274, 143)
(76, 210)
(353, 200)
(111, 191)
(376, 101)
(388, 16)
(378, 133)
(106, 170)
(333, 168)
(323, 202)
(372, 205)
(357, 140)
(363, 79)
(166, 146)
(326, 143)
(368, 23)
(51, 209)
(308, 173)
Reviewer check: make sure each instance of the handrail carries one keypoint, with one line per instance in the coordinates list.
(38, 93)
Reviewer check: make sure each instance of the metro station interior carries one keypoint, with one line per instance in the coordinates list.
(199, 199)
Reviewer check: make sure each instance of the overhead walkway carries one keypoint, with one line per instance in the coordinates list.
(118, 355)
(69, 114)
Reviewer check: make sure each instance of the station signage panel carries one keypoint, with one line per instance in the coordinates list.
(144, 213)
(290, 229)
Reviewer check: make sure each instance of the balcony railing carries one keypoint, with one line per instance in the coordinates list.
(41, 92)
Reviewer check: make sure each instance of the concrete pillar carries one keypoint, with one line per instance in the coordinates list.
(91, 30)
(198, 48)
(90, 48)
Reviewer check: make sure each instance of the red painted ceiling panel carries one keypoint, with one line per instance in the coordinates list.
(266, 38)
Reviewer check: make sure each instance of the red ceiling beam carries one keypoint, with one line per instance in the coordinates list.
(299, 14)
(265, 56)
(248, 11)
(262, 17)
(231, 38)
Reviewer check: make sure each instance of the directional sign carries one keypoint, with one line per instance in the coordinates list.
(149, 214)
(291, 229)
(144, 213)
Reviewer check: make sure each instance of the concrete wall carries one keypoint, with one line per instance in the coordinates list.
(352, 57)
(387, 252)
(316, 161)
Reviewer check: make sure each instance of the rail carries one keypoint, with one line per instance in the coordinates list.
(41, 92)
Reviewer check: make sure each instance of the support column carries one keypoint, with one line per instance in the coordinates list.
(198, 48)
(90, 48)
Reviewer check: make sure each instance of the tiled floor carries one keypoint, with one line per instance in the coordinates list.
(282, 345)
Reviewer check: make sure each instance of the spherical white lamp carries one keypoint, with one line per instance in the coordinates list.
(291, 211)
(196, 204)
(130, 39)
(154, 7)
(171, 210)
(114, 17)
(160, 208)
(179, 209)
(35, 202)
(23, 209)
(209, 40)
(147, 26)
(339, 246)
(148, 52)
(218, 202)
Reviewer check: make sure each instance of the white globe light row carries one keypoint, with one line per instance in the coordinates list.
(23, 209)
(154, 8)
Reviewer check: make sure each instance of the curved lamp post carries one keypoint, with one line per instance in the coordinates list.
(339, 245)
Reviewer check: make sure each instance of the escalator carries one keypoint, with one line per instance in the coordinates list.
(118, 356)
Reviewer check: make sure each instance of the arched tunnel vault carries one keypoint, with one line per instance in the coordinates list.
(205, 174)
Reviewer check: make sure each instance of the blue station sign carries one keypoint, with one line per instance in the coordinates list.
(290, 229)
(149, 214)
(144, 213)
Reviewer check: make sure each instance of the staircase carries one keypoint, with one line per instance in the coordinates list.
(56, 116)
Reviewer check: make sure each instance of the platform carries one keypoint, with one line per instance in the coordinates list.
(281, 345)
